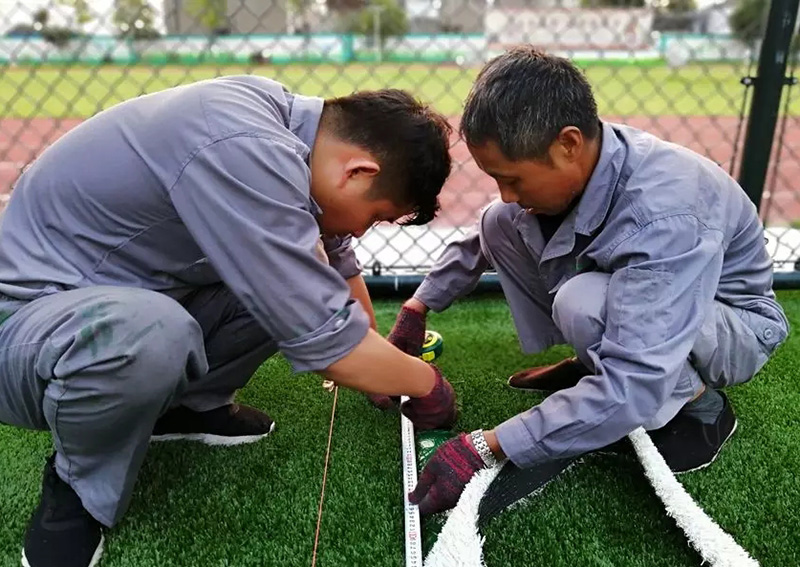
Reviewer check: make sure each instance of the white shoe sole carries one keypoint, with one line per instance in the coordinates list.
(714, 458)
(98, 553)
(212, 440)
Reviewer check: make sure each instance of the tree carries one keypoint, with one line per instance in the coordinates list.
(299, 9)
(213, 14)
(62, 36)
(22, 30)
(135, 19)
(681, 6)
(58, 36)
(40, 18)
(748, 22)
(613, 3)
(83, 15)
(392, 20)
(747, 19)
(345, 5)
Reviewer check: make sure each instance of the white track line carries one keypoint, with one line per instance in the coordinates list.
(460, 543)
(715, 546)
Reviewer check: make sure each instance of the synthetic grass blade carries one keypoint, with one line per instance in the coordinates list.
(325, 476)
(514, 484)
(715, 546)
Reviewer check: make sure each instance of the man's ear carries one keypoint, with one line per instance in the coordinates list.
(570, 143)
(361, 166)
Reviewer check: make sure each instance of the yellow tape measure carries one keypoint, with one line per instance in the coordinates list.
(432, 347)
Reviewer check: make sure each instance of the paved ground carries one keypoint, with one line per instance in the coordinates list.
(21, 140)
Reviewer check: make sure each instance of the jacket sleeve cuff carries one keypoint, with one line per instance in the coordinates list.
(434, 298)
(346, 263)
(334, 340)
(342, 256)
(517, 443)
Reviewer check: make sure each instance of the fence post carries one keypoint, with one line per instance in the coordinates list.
(767, 90)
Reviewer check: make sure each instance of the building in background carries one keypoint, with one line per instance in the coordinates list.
(241, 17)
(462, 16)
(714, 19)
(469, 16)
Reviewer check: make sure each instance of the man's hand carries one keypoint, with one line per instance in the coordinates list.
(435, 410)
(408, 334)
(383, 402)
(447, 473)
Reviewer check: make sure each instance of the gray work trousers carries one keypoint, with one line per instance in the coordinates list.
(97, 366)
(727, 351)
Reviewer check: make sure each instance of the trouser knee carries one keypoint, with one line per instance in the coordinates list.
(579, 311)
(497, 232)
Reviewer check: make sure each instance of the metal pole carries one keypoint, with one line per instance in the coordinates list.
(406, 285)
(767, 89)
(376, 31)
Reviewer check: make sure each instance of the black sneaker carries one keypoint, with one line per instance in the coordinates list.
(233, 424)
(687, 444)
(61, 533)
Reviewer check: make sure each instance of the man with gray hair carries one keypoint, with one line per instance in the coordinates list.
(644, 256)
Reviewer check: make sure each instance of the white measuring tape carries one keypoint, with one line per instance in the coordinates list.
(410, 511)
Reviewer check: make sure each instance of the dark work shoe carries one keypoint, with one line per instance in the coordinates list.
(233, 424)
(561, 376)
(61, 532)
(687, 444)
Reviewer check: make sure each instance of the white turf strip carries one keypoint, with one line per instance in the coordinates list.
(715, 546)
(460, 544)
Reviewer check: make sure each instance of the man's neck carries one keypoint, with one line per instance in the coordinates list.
(592, 156)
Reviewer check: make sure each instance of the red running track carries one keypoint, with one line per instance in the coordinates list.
(468, 189)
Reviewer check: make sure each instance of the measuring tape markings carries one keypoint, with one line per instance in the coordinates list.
(413, 534)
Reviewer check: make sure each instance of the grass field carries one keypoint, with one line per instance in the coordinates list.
(697, 90)
(257, 505)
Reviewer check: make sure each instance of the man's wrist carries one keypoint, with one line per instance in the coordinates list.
(489, 451)
(494, 445)
(416, 305)
(428, 379)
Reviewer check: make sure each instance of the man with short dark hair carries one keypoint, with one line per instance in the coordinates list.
(157, 254)
(644, 256)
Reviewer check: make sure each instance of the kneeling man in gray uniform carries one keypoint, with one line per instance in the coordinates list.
(644, 256)
(157, 254)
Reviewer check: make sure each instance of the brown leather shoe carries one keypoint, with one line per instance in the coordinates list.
(551, 378)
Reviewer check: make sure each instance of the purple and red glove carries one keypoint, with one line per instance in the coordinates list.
(435, 410)
(444, 477)
(408, 334)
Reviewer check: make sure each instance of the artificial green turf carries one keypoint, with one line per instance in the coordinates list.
(694, 90)
(257, 505)
(196, 505)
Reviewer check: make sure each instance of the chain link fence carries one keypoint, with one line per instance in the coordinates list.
(674, 67)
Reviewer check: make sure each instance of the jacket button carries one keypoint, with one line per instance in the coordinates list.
(768, 334)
